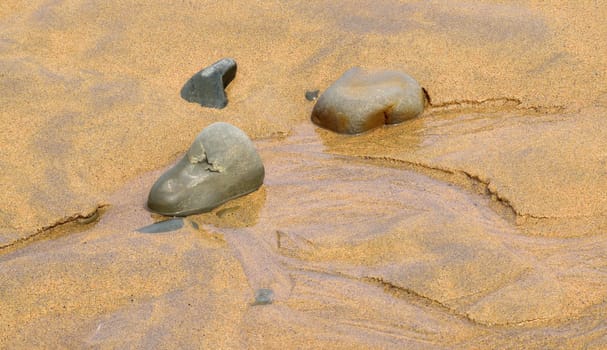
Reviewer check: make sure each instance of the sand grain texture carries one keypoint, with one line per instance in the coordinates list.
(480, 224)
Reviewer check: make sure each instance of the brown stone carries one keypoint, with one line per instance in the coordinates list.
(360, 101)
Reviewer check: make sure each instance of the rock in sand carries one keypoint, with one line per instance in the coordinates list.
(221, 164)
(359, 101)
(207, 86)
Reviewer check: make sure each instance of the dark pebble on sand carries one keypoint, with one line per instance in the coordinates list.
(207, 86)
(264, 296)
(312, 95)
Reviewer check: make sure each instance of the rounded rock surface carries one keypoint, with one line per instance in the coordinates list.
(360, 101)
(221, 164)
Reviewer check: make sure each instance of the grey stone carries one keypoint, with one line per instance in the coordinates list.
(221, 164)
(207, 86)
(163, 226)
(359, 101)
(263, 296)
(312, 95)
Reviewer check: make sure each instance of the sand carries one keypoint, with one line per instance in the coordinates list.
(480, 224)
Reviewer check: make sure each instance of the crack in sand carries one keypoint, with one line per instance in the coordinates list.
(394, 290)
(483, 186)
(81, 219)
(499, 101)
(495, 102)
(398, 291)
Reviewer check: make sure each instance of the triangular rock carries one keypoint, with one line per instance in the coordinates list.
(207, 86)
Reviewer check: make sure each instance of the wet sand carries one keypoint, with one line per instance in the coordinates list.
(480, 224)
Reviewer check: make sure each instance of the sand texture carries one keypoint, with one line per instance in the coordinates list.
(480, 224)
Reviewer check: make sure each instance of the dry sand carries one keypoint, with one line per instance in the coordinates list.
(482, 224)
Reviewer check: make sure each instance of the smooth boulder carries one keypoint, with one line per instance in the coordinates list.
(221, 164)
(360, 101)
(207, 87)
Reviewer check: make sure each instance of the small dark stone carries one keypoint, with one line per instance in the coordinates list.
(264, 296)
(207, 86)
(195, 225)
(312, 95)
(163, 226)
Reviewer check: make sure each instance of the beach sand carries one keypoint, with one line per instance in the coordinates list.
(480, 224)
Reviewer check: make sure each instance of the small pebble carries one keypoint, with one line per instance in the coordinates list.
(263, 296)
(194, 225)
(312, 95)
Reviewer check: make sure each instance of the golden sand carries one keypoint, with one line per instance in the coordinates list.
(480, 224)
